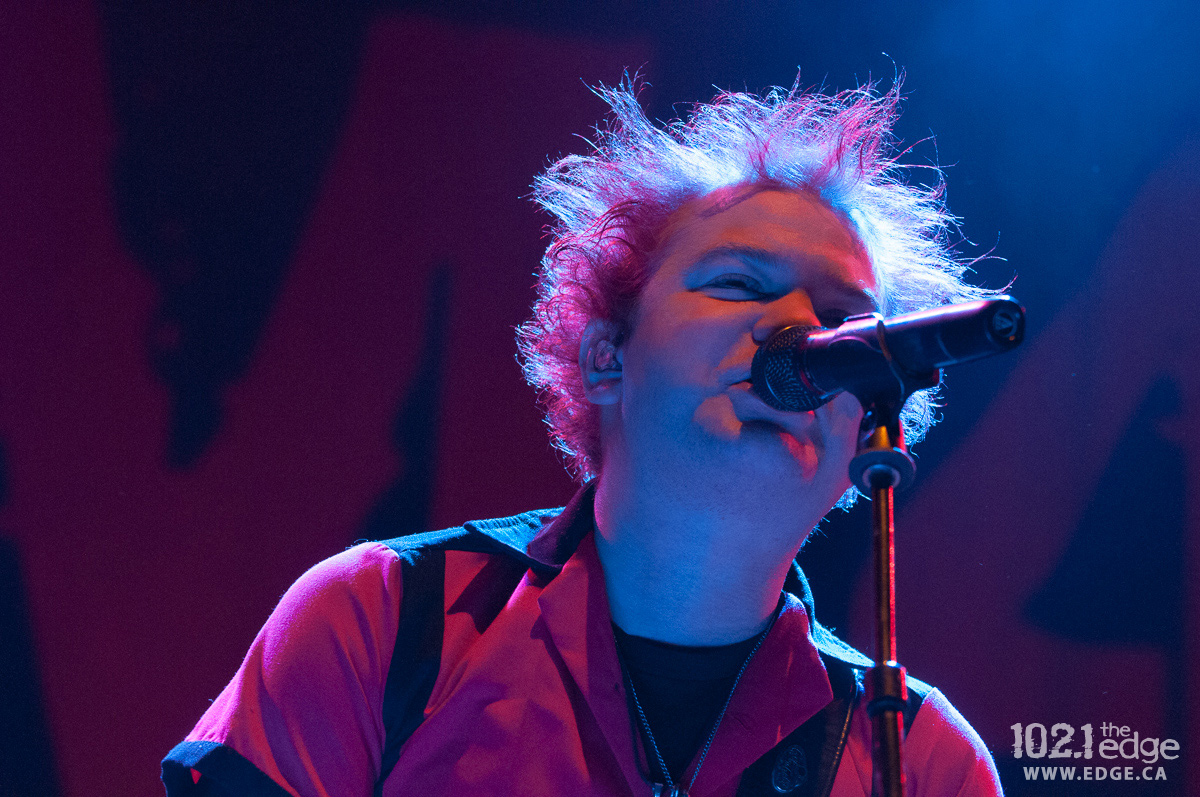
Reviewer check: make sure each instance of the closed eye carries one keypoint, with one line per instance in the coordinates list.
(735, 287)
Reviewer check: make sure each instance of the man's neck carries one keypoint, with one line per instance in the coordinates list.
(682, 571)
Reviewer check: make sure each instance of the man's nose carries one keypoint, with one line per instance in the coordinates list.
(785, 311)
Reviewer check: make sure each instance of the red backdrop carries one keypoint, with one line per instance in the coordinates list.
(145, 584)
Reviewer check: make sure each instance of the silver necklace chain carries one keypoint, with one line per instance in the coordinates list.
(672, 789)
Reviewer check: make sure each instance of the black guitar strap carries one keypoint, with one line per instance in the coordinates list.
(418, 652)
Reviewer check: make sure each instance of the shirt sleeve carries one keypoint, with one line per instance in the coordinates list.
(943, 755)
(302, 716)
(946, 756)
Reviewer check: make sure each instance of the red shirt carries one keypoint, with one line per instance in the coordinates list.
(532, 704)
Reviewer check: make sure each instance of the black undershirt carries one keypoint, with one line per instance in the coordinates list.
(681, 689)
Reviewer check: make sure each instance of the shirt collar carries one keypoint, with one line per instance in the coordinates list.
(784, 685)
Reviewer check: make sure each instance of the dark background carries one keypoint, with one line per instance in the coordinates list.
(260, 266)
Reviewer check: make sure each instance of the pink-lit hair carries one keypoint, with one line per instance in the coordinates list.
(612, 205)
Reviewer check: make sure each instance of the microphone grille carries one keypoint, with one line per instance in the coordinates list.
(775, 373)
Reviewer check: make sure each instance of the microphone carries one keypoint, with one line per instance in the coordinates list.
(799, 368)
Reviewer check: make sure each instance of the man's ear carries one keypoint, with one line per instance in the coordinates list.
(600, 362)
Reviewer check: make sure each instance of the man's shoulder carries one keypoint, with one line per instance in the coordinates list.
(943, 752)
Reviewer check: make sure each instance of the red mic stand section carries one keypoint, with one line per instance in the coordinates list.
(881, 465)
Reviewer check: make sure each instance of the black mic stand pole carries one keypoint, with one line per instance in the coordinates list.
(882, 464)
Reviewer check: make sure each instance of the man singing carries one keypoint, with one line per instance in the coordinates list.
(654, 636)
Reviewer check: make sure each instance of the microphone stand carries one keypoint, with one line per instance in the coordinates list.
(882, 464)
(882, 362)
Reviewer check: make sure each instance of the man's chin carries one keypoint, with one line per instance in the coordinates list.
(763, 444)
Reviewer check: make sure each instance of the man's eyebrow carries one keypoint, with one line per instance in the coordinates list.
(764, 258)
(752, 254)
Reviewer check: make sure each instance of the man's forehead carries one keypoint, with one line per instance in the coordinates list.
(759, 205)
(728, 196)
(773, 226)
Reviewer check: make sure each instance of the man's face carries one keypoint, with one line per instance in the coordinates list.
(732, 269)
